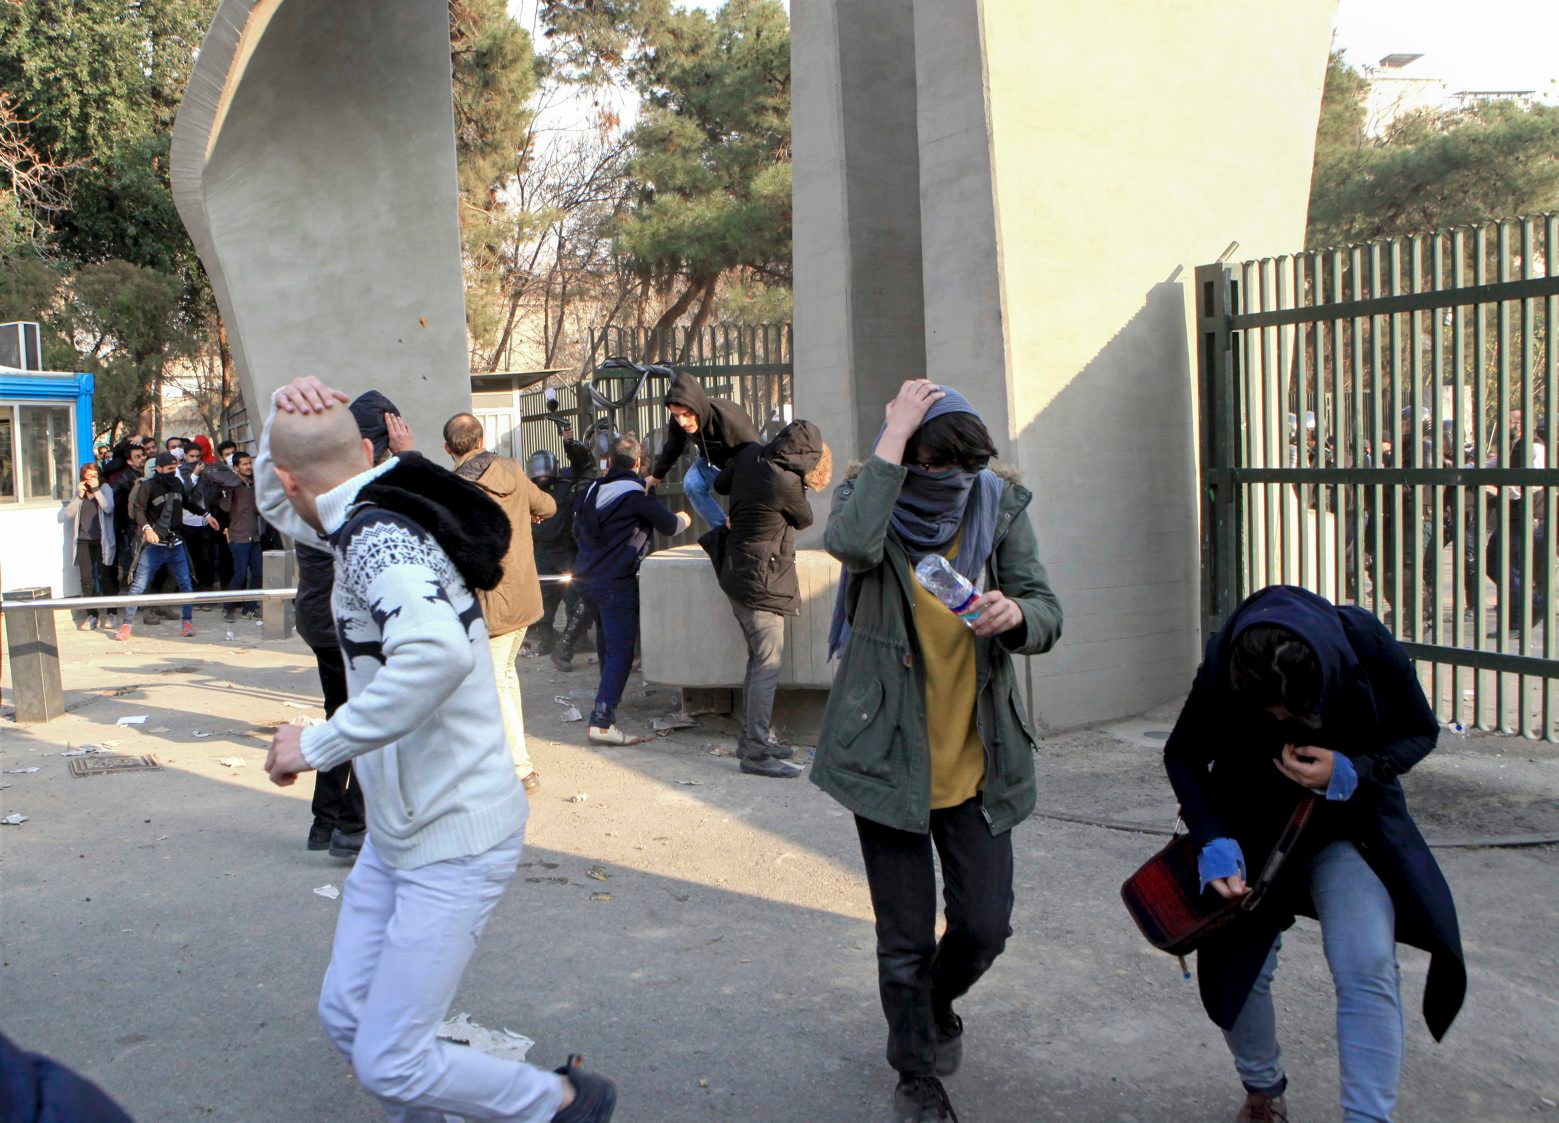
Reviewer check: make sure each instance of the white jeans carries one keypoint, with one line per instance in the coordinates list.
(402, 942)
(506, 649)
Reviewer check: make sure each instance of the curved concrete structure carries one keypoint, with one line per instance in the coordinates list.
(314, 166)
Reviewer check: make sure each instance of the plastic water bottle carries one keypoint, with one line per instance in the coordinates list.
(950, 587)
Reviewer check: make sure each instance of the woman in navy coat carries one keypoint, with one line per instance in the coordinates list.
(1296, 693)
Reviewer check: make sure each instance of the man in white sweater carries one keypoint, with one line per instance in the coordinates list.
(446, 812)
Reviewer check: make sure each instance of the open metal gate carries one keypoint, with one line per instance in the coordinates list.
(1376, 426)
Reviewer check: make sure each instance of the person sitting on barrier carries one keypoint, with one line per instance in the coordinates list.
(717, 427)
(755, 559)
(1296, 696)
(160, 516)
(923, 739)
(412, 545)
(614, 519)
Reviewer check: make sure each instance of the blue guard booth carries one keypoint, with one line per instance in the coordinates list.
(45, 437)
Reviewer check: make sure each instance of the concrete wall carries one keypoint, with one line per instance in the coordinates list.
(314, 165)
(1077, 159)
(859, 324)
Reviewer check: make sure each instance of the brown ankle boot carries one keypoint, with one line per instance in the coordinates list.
(1262, 1108)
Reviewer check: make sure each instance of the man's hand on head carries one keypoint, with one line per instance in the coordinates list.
(306, 395)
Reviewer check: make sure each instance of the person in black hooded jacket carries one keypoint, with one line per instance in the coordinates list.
(1297, 695)
(755, 557)
(339, 822)
(716, 427)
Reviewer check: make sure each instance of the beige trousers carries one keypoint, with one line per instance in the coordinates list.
(506, 649)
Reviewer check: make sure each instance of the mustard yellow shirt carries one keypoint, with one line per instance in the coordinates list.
(947, 650)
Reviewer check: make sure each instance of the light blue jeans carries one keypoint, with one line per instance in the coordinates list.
(1358, 934)
(699, 487)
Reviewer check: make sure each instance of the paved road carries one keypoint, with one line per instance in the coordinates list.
(160, 932)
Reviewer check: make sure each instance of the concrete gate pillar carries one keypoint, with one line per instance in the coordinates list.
(314, 165)
(1074, 161)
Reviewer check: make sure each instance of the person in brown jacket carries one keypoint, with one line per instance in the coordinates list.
(514, 604)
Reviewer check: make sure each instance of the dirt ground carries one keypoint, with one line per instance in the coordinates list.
(702, 936)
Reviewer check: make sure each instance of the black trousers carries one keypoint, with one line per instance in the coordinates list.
(95, 576)
(920, 976)
(338, 801)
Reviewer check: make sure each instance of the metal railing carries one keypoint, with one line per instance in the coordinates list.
(1360, 438)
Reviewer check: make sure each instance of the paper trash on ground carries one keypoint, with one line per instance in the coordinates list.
(19, 771)
(84, 750)
(132, 719)
(671, 722)
(504, 1044)
(232, 761)
(14, 819)
(329, 892)
(570, 711)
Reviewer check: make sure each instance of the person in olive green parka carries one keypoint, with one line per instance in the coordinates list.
(924, 737)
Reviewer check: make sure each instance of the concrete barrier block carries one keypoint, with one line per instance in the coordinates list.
(691, 639)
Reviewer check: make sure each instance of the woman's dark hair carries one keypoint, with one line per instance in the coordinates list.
(1272, 666)
(953, 438)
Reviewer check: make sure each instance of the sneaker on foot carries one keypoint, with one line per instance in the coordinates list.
(766, 765)
(319, 837)
(595, 1097)
(346, 846)
(187, 629)
(949, 1043)
(922, 1099)
(227, 615)
(609, 735)
(1262, 1108)
(562, 660)
(122, 633)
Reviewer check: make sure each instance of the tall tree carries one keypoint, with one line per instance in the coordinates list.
(495, 76)
(711, 163)
(1429, 170)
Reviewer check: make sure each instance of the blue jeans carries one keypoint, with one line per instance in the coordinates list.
(1358, 934)
(248, 571)
(616, 611)
(699, 487)
(153, 558)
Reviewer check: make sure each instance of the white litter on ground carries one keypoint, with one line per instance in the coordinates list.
(19, 771)
(132, 719)
(329, 892)
(84, 750)
(232, 762)
(504, 1044)
(14, 819)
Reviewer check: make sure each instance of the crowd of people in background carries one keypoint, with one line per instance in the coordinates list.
(419, 587)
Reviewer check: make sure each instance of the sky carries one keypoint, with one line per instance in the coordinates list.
(1493, 44)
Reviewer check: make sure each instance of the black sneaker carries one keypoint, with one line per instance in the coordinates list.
(921, 1099)
(346, 846)
(562, 658)
(766, 765)
(949, 1043)
(595, 1097)
(780, 751)
(319, 837)
(229, 615)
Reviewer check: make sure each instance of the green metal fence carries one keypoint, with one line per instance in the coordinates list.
(1360, 437)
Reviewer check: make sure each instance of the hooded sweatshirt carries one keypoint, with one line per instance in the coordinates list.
(756, 556)
(412, 542)
(613, 521)
(515, 602)
(723, 427)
